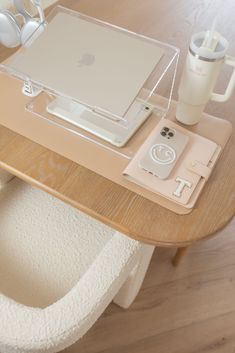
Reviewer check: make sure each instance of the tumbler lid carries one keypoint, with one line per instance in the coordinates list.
(209, 45)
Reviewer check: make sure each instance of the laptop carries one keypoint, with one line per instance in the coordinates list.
(95, 65)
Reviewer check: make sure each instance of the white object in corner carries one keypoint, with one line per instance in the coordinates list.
(69, 268)
(12, 34)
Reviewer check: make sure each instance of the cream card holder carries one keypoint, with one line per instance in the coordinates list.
(190, 171)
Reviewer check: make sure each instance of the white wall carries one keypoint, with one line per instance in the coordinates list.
(8, 3)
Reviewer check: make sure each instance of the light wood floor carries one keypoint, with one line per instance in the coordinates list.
(190, 309)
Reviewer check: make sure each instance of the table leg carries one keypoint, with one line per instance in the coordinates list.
(5, 177)
(180, 253)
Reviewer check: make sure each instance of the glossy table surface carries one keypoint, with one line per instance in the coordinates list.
(106, 201)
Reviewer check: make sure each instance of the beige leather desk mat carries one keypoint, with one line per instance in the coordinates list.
(102, 161)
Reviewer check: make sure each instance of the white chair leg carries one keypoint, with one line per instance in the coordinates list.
(5, 177)
(131, 287)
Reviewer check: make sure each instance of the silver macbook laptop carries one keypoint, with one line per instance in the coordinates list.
(93, 64)
(90, 63)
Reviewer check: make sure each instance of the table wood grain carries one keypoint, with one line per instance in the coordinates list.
(173, 22)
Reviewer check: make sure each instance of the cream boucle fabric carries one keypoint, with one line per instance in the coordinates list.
(40, 239)
(58, 270)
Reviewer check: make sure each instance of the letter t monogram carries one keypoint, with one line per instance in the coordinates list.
(182, 184)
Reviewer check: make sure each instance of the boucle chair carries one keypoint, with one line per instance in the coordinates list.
(59, 270)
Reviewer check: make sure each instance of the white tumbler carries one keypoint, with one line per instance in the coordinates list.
(206, 56)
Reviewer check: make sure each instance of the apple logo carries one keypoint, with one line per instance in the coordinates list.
(87, 59)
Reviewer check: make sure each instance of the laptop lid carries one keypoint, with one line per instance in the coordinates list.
(94, 64)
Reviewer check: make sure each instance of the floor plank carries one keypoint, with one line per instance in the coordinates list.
(189, 309)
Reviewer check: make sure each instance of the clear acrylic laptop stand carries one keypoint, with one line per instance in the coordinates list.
(94, 123)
